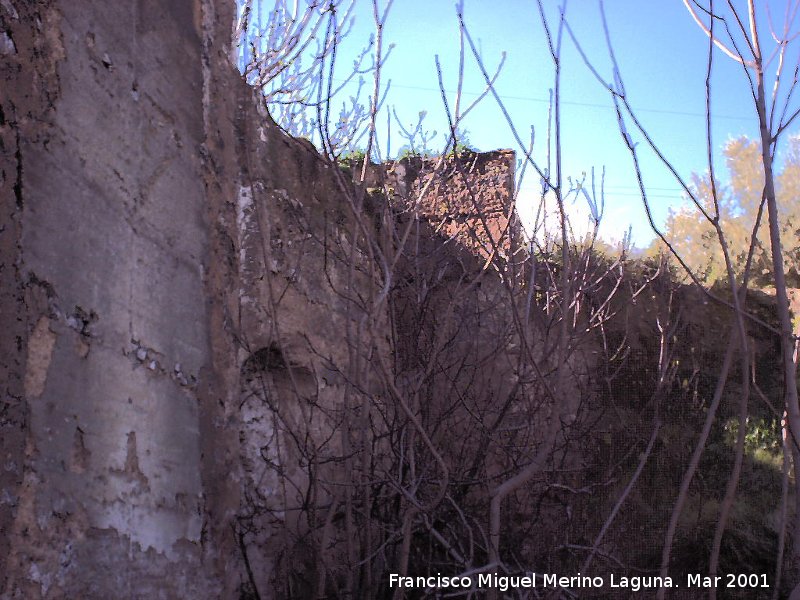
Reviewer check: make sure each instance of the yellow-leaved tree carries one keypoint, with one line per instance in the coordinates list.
(696, 240)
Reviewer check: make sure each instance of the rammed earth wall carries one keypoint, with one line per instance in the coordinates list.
(104, 289)
(161, 244)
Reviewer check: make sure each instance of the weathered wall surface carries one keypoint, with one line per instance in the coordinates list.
(104, 272)
(158, 248)
(300, 271)
(188, 306)
(467, 198)
(20, 109)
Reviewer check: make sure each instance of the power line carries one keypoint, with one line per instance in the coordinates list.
(614, 189)
(576, 103)
(649, 196)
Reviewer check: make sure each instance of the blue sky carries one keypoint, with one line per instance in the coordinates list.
(662, 57)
